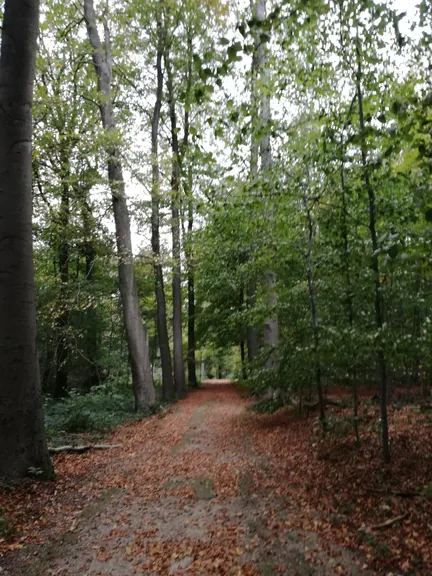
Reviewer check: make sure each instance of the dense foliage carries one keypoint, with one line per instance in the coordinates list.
(341, 215)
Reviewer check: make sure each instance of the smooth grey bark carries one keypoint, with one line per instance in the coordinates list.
(136, 335)
(252, 335)
(375, 261)
(179, 368)
(271, 324)
(23, 443)
(161, 317)
(188, 246)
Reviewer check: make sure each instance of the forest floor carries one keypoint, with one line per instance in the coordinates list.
(210, 488)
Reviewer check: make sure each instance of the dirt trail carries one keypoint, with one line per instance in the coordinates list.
(182, 496)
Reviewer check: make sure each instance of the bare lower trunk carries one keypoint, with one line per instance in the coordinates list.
(191, 327)
(375, 265)
(351, 369)
(243, 359)
(136, 335)
(161, 318)
(271, 324)
(188, 246)
(179, 371)
(314, 315)
(62, 348)
(91, 316)
(252, 335)
(23, 444)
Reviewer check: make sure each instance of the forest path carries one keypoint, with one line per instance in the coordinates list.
(183, 495)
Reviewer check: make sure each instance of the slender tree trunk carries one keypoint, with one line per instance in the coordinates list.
(188, 246)
(202, 367)
(62, 348)
(314, 315)
(161, 318)
(191, 300)
(352, 369)
(179, 371)
(252, 335)
(375, 263)
(243, 331)
(243, 359)
(136, 335)
(23, 444)
(271, 324)
(91, 315)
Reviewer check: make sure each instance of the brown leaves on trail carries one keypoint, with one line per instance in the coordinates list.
(345, 493)
(162, 460)
(210, 489)
(217, 555)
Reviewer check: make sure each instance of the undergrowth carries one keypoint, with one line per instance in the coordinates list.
(103, 408)
(7, 527)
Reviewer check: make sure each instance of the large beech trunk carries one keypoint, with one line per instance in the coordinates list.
(252, 335)
(179, 369)
(161, 318)
(23, 444)
(271, 324)
(136, 336)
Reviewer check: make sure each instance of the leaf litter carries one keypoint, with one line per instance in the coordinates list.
(213, 489)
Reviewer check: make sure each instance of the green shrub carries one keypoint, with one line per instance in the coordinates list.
(7, 529)
(268, 405)
(103, 408)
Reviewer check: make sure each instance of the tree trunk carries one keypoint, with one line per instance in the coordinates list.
(243, 359)
(188, 246)
(23, 444)
(375, 263)
(179, 371)
(202, 367)
(161, 319)
(242, 335)
(136, 335)
(191, 303)
(314, 315)
(252, 335)
(271, 324)
(91, 316)
(352, 368)
(62, 349)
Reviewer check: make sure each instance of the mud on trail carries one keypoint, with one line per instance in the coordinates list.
(186, 494)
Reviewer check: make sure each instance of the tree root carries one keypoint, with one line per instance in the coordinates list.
(81, 449)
